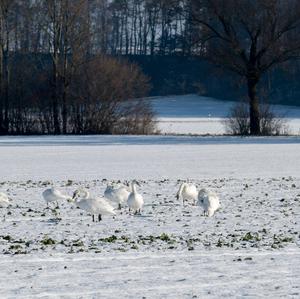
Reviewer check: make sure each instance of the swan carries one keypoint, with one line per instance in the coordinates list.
(117, 194)
(54, 195)
(96, 206)
(4, 200)
(135, 200)
(188, 192)
(209, 201)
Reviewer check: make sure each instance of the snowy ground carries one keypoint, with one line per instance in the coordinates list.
(147, 157)
(249, 248)
(192, 114)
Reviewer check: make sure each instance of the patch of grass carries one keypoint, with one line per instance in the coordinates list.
(125, 239)
(7, 238)
(251, 237)
(220, 243)
(164, 237)
(248, 258)
(48, 241)
(78, 243)
(111, 239)
(15, 247)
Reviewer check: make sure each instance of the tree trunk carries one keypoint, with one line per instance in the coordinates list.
(254, 106)
(55, 109)
(64, 111)
(6, 91)
(2, 131)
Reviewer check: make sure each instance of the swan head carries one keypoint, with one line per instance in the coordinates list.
(79, 193)
(135, 182)
(203, 192)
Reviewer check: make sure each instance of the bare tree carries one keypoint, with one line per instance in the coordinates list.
(248, 37)
(5, 29)
(109, 92)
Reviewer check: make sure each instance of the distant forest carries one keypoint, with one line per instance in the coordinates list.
(77, 66)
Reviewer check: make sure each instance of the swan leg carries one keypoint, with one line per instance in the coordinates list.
(57, 206)
(120, 206)
(93, 218)
(99, 217)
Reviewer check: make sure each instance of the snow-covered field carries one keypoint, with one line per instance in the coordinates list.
(192, 114)
(250, 248)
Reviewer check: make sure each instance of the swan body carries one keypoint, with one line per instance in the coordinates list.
(117, 194)
(135, 200)
(209, 201)
(54, 195)
(4, 200)
(188, 192)
(93, 205)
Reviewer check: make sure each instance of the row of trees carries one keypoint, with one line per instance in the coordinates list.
(114, 26)
(56, 77)
(52, 78)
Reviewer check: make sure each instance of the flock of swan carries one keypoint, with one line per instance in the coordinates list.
(122, 195)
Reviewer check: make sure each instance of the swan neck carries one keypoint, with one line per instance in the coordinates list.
(133, 187)
(181, 189)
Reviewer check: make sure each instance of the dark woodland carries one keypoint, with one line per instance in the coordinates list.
(85, 66)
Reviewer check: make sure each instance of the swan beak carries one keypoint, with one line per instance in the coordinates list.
(74, 196)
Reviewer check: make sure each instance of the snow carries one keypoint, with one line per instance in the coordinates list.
(192, 114)
(213, 275)
(249, 248)
(147, 157)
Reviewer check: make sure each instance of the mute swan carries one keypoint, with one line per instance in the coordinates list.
(117, 194)
(96, 206)
(4, 200)
(209, 201)
(135, 200)
(54, 195)
(188, 192)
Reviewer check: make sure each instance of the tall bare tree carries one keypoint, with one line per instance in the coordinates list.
(248, 37)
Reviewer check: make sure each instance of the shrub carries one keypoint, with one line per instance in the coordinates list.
(110, 100)
(238, 121)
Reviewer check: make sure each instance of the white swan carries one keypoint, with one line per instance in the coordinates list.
(135, 200)
(117, 194)
(96, 206)
(209, 201)
(188, 192)
(4, 200)
(54, 195)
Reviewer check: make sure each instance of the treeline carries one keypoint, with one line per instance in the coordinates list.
(55, 75)
(62, 66)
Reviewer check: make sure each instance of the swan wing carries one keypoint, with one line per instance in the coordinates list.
(59, 195)
(101, 206)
